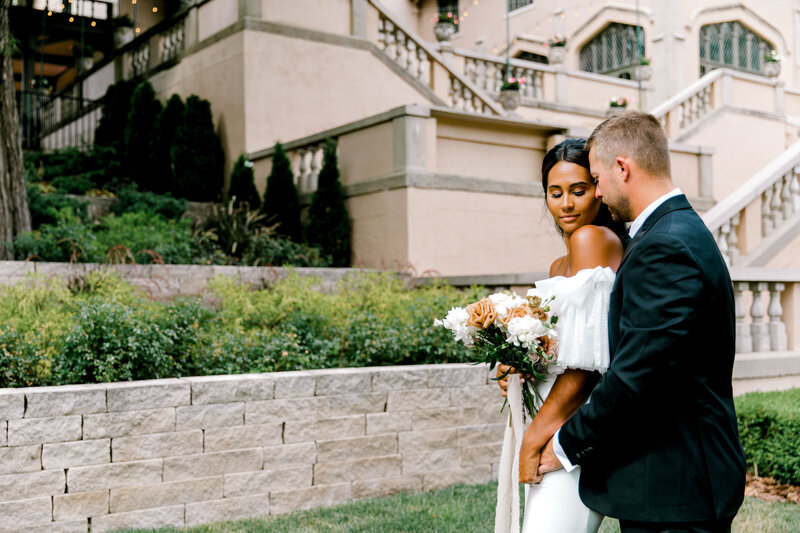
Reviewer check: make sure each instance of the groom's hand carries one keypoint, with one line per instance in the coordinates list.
(548, 462)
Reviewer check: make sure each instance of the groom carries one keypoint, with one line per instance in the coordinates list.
(658, 444)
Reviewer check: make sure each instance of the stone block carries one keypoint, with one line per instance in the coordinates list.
(131, 474)
(120, 424)
(224, 389)
(482, 454)
(401, 378)
(149, 394)
(65, 400)
(355, 404)
(44, 430)
(430, 461)
(294, 384)
(265, 481)
(3, 432)
(18, 459)
(157, 445)
(212, 464)
(369, 468)
(483, 434)
(388, 422)
(33, 484)
(270, 411)
(80, 453)
(209, 416)
(458, 374)
(227, 509)
(343, 381)
(166, 494)
(472, 475)
(67, 526)
(12, 404)
(145, 519)
(17, 515)
(379, 488)
(286, 454)
(476, 395)
(309, 498)
(433, 439)
(238, 437)
(308, 430)
(80, 505)
(411, 400)
(457, 416)
(356, 447)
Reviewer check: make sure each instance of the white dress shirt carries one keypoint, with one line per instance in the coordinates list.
(634, 228)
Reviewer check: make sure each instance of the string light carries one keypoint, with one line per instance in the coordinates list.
(94, 24)
(155, 9)
(71, 19)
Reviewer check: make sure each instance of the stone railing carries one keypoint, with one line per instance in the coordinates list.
(748, 224)
(159, 46)
(691, 104)
(182, 452)
(487, 73)
(418, 59)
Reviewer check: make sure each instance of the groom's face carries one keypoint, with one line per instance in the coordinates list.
(609, 189)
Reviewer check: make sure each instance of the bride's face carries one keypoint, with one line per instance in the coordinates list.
(570, 196)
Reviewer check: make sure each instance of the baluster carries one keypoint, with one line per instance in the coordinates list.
(303, 170)
(733, 239)
(498, 78)
(383, 39)
(401, 59)
(411, 57)
(682, 114)
(455, 93)
(391, 40)
(424, 67)
(758, 327)
(744, 338)
(776, 204)
(722, 242)
(537, 89)
(787, 201)
(777, 329)
(795, 189)
(766, 219)
(470, 69)
(481, 79)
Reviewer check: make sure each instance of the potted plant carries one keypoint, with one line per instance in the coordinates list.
(123, 30)
(616, 105)
(556, 49)
(772, 64)
(643, 71)
(510, 93)
(445, 26)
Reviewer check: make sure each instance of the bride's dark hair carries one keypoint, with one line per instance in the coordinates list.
(573, 150)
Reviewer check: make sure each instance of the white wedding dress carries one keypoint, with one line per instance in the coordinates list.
(581, 304)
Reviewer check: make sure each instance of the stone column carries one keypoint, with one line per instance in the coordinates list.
(358, 13)
(250, 9)
(409, 144)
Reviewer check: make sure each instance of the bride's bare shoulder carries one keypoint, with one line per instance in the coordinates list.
(559, 267)
(592, 246)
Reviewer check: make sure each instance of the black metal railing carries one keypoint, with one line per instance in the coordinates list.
(48, 122)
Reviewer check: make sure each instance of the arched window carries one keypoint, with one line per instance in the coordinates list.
(615, 51)
(731, 45)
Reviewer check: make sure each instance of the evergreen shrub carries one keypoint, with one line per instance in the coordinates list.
(328, 219)
(242, 185)
(140, 133)
(281, 200)
(44, 208)
(769, 428)
(167, 125)
(197, 155)
(110, 130)
(130, 200)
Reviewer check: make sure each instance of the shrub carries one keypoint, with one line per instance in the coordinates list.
(232, 228)
(281, 202)
(328, 220)
(242, 186)
(110, 130)
(72, 184)
(22, 362)
(145, 238)
(44, 208)
(266, 249)
(167, 124)
(139, 134)
(69, 239)
(129, 200)
(197, 155)
(769, 428)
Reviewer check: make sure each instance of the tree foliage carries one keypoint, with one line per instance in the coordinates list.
(328, 219)
(281, 200)
(243, 185)
(197, 155)
(140, 133)
(167, 125)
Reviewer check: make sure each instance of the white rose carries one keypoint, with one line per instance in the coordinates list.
(523, 331)
(456, 321)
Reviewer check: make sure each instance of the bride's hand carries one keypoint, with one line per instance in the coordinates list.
(529, 456)
(503, 383)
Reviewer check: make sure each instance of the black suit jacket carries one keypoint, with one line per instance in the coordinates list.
(658, 441)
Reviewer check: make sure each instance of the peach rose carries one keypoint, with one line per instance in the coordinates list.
(481, 314)
(518, 312)
(546, 343)
(539, 314)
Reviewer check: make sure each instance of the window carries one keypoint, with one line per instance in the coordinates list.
(530, 56)
(613, 51)
(449, 9)
(516, 4)
(731, 45)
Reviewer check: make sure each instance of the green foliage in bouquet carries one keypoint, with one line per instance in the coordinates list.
(139, 134)
(242, 185)
(281, 201)
(328, 219)
(769, 428)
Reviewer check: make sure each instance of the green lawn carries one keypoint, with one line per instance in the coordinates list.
(457, 509)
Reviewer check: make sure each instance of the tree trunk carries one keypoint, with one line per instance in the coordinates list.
(14, 214)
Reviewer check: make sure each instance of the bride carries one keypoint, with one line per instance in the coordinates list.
(581, 282)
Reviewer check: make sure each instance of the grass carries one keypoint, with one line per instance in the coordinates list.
(461, 508)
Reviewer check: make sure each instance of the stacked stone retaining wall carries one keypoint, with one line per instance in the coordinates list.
(181, 452)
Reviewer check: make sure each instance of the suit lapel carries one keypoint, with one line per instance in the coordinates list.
(673, 204)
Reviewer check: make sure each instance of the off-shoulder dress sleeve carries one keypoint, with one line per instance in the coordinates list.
(581, 304)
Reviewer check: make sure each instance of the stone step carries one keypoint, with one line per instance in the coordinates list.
(742, 386)
(766, 365)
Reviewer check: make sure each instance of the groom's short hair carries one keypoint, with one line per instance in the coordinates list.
(633, 134)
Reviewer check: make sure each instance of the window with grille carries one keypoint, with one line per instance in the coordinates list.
(516, 4)
(732, 45)
(615, 51)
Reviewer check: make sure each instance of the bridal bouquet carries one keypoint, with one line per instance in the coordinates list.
(509, 329)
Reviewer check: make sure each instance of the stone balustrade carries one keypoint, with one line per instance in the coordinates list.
(690, 105)
(487, 73)
(182, 452)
